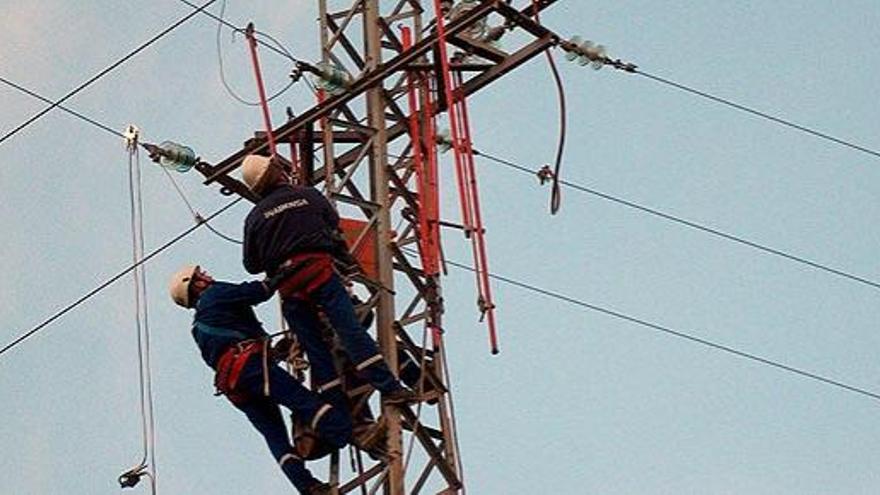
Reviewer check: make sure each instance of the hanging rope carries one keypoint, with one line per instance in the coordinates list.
(147, 464)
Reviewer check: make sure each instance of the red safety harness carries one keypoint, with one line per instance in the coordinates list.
(230, 365)
(308, 271)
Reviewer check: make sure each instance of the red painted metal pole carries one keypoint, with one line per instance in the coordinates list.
(416, 139)
(453, 127)
(426, 180)
(294, 160)
(433, 180)
(264, 104)
(466, 182)
(481, 260)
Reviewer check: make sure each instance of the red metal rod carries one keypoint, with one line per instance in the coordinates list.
(264, 104)
(453, 127)
(294, 155)
(479, 242)
(416, 139)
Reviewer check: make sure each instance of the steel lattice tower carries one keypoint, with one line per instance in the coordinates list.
(359, 143)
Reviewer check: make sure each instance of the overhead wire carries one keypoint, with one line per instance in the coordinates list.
(691, 224)
(222, 71)
(196, 215)
(758, 113)
(639, 71)
(510, 164)
(863, 280)
(107, 70)
(21, 338)
(282, 52)
(670, 331)
(61, 107)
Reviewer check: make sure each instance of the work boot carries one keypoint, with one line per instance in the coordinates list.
(320, 489)
(400, 397)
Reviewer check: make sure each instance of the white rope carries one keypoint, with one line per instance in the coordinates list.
(142, 324)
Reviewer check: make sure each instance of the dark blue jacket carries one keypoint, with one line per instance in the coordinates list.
(288, 220)
(225, 316)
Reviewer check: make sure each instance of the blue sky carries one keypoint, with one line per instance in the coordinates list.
(577, 401)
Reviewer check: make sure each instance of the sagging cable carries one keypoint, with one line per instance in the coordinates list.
(556, 191)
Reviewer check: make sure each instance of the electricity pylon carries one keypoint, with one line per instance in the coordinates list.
(384, 77)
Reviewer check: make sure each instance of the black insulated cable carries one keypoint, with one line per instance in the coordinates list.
(113, 279)
(104, 72)
(676, 333)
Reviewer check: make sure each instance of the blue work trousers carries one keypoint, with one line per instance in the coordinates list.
(334, 301)
(334, 425)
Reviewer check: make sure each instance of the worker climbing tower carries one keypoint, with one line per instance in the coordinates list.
(391, 96)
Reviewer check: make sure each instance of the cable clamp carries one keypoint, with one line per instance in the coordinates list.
(545, 174)
(296, 72)
(131, 137)
(132, 477)
(484, 307)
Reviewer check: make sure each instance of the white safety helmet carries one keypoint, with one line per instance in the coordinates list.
(256, 172)
(179, 286)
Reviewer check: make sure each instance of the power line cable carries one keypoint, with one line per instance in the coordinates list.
(279, 50)
(693, 225)
(758, 113)
(109, 130)
(196, 215)
(105, 71)
(114, 278)
(670, 331)
(61, 107)
(222, 70)
(521, 168)
(283, 52)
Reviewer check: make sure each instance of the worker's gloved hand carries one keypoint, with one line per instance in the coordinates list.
(274, 281)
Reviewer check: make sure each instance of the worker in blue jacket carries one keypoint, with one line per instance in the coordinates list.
(295, 229)
(233, 343)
